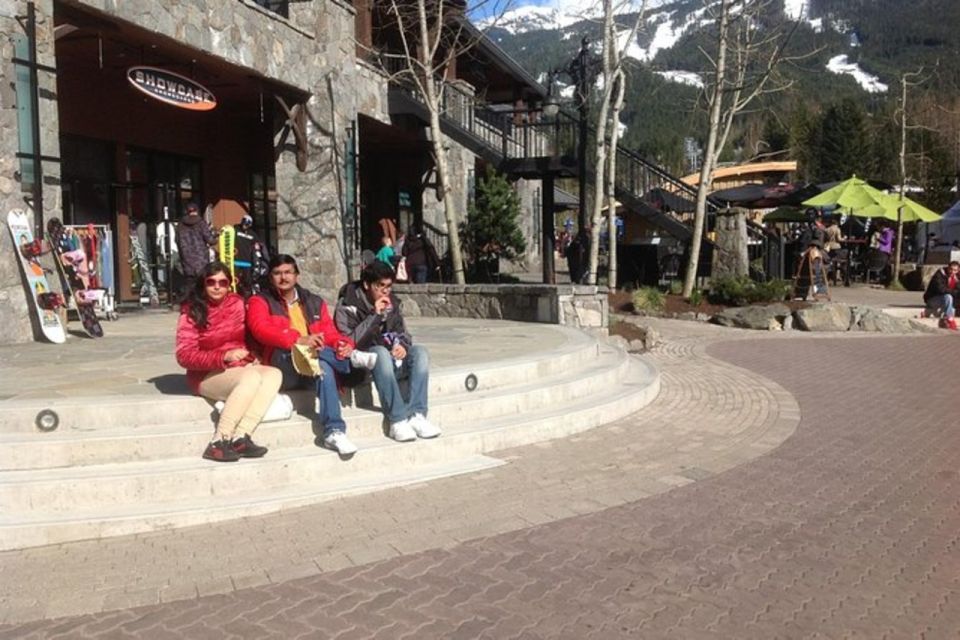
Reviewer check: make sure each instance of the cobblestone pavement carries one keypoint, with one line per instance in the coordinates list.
(848, 528)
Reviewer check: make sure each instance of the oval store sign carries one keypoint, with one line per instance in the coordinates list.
(171, 88)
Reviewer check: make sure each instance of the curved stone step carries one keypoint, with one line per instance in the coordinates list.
(77, 503)
(88, 414)
(152, 442)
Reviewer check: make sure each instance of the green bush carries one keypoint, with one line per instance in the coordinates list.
(696, 297)
(648, 299)
(676, 287)
(739, 291)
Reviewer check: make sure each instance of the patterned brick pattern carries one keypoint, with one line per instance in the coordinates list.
(849, 528)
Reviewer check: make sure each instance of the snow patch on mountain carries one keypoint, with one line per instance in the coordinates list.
(556, 15)
(795, 9)
(870, 83)
(688, 78)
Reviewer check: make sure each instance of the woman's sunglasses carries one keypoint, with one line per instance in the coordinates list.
(223, 283)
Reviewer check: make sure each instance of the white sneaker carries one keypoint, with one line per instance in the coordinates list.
(402, 431)
(363, 359)
(423, 427)
(339, 442)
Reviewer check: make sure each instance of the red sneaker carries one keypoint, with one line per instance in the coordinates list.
(221, 451)
(952, 324)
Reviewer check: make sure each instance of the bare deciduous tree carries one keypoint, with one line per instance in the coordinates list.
(433, 35)
(743, 68)
(608, 130)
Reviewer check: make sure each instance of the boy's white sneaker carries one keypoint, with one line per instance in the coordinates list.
(402, 431)
(363, 359)
(423, 427)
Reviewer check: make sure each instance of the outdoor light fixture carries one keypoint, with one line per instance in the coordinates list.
(551, 105)
(470, 382)
(47, 420)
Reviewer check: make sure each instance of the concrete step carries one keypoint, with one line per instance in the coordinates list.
(90, 413)
(21, 451)
(55, 505)
(42, 528)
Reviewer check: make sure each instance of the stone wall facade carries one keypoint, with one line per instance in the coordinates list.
(576, 306)
(15, 316)
(288, 50)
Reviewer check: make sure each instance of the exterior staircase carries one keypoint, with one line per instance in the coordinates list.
(120, 465)
(527, 144)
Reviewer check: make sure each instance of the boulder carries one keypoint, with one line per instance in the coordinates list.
(880, 322)
(763, 317)
(651, 339)
(823, 317)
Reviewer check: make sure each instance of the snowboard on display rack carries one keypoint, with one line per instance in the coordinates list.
(44, 302)
(228, 253)
(74, 267)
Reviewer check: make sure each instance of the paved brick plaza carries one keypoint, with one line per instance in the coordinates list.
(711, 514)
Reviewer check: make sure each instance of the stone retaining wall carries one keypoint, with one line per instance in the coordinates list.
(575, 306)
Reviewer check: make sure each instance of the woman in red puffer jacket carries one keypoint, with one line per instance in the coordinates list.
(211, 346)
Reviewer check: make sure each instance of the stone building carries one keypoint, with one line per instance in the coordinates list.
(277, 109)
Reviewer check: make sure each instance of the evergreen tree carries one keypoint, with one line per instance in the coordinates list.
(491, 230)
(805, 136)
(845, 143)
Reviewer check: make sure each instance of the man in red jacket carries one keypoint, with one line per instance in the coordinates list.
(287, 314)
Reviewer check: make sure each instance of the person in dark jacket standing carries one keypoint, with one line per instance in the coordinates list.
(370, 315)
(421, 256)
(941, 294)
(194, 239)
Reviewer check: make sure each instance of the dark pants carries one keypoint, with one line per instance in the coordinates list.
(418, 273)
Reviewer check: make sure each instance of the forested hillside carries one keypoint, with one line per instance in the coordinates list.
(868, 44)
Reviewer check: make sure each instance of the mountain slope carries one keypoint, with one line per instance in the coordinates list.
(860, 49)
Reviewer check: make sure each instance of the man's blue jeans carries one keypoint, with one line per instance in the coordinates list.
(326, 386)
(416, 367)
(943, 303)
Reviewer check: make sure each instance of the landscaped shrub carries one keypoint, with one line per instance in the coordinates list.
(648, 299)
(696, 297)
(741, 290)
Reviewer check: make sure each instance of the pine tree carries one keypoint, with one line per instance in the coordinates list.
(845, 147)
(492, 230)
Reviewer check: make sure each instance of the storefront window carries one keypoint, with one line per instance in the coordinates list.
(87, 172)
(25, 114)
(263, 201)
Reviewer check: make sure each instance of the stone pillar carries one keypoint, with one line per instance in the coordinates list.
(730, 252)
(14, 306)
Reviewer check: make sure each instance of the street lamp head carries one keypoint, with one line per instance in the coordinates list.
(551, 105)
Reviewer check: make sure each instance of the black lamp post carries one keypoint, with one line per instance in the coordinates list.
(581, 71)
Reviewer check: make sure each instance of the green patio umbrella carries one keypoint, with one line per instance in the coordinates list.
(913, 211)
(853, 194)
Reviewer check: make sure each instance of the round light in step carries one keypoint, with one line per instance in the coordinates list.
(47, 420)
(471, 382)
